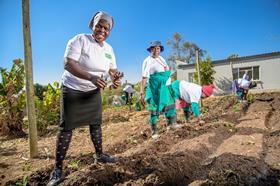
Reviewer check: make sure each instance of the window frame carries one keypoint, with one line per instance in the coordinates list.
(191, 77)
(251, 68)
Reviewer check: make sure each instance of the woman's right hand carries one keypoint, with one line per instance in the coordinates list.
(99, 82)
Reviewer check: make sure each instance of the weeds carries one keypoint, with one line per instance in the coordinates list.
(230, 126)
(26, 167)
(204, 110)
(236, 107)
(74, 164)
(250, 98)
(24, 181)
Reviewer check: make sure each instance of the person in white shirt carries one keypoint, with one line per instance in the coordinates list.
(246, 75)
(87, 59)
(191, 94)
(156, 72)
(241, 87)
(128, 90)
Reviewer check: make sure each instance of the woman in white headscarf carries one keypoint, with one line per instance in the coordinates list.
(87, 58)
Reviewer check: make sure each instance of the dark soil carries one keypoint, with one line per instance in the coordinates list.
(238, 145)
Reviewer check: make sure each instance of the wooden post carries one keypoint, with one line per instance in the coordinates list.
(231, 68)
(198, 68)
(198, 73)
(30, 103)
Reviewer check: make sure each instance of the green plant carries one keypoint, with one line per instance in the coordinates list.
(230, 126)
(74, 164)
(250, 98)
(12, 99)
(24, 181)
(26, 167)
(48, 108)
(39, 90)
(236, 107)
(206, 72)
(204, 110)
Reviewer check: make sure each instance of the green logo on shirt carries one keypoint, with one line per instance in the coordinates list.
(109, 56)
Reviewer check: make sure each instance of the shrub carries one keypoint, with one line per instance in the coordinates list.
(48, 108)
(12, 99)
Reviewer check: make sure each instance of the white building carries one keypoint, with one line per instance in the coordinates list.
(263, 68)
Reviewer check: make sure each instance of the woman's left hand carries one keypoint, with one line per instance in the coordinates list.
(116, 83)
(118, 75)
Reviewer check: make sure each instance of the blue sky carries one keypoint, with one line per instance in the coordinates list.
(221, 27)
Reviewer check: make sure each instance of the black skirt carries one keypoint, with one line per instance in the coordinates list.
(79, 108)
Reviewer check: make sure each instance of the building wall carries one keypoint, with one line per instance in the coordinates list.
(182, 74)
(223, 77)
(269, 72)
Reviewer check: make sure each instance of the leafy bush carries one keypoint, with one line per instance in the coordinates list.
(48, 108)
(39, 90)
(250, 98)
(206, 72)
(12, 99)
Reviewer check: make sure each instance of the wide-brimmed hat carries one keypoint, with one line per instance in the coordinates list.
(154, 44)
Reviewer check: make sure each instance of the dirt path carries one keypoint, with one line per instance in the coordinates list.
(237, 146)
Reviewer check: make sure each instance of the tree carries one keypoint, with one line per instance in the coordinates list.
(183, 50)
(206, 72)
(33, 138)
(233, 56)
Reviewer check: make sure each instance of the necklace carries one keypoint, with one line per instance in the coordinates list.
(162, 63)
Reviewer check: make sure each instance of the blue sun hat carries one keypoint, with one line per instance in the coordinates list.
(154, 44)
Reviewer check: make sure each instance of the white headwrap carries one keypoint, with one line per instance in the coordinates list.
(101, 15)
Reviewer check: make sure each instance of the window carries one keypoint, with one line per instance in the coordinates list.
(253, 72)
(190, 78)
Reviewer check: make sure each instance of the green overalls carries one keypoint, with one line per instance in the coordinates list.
(159, 98)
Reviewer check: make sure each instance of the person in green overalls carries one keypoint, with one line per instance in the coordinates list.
(158, 94)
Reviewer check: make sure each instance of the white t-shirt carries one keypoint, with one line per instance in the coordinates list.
(154, 65)
(95, 59)
(128, 89)
(190, 92)
(243, 83)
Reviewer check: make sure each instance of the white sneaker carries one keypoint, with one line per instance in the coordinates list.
(174, 126)
(154, 131)
(155, 136)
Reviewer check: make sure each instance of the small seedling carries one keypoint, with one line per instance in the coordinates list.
(236, 107)
(26, 167)
(24, 181)
(251, 98)
(230, 126)
(74, 164)
(204, 110)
